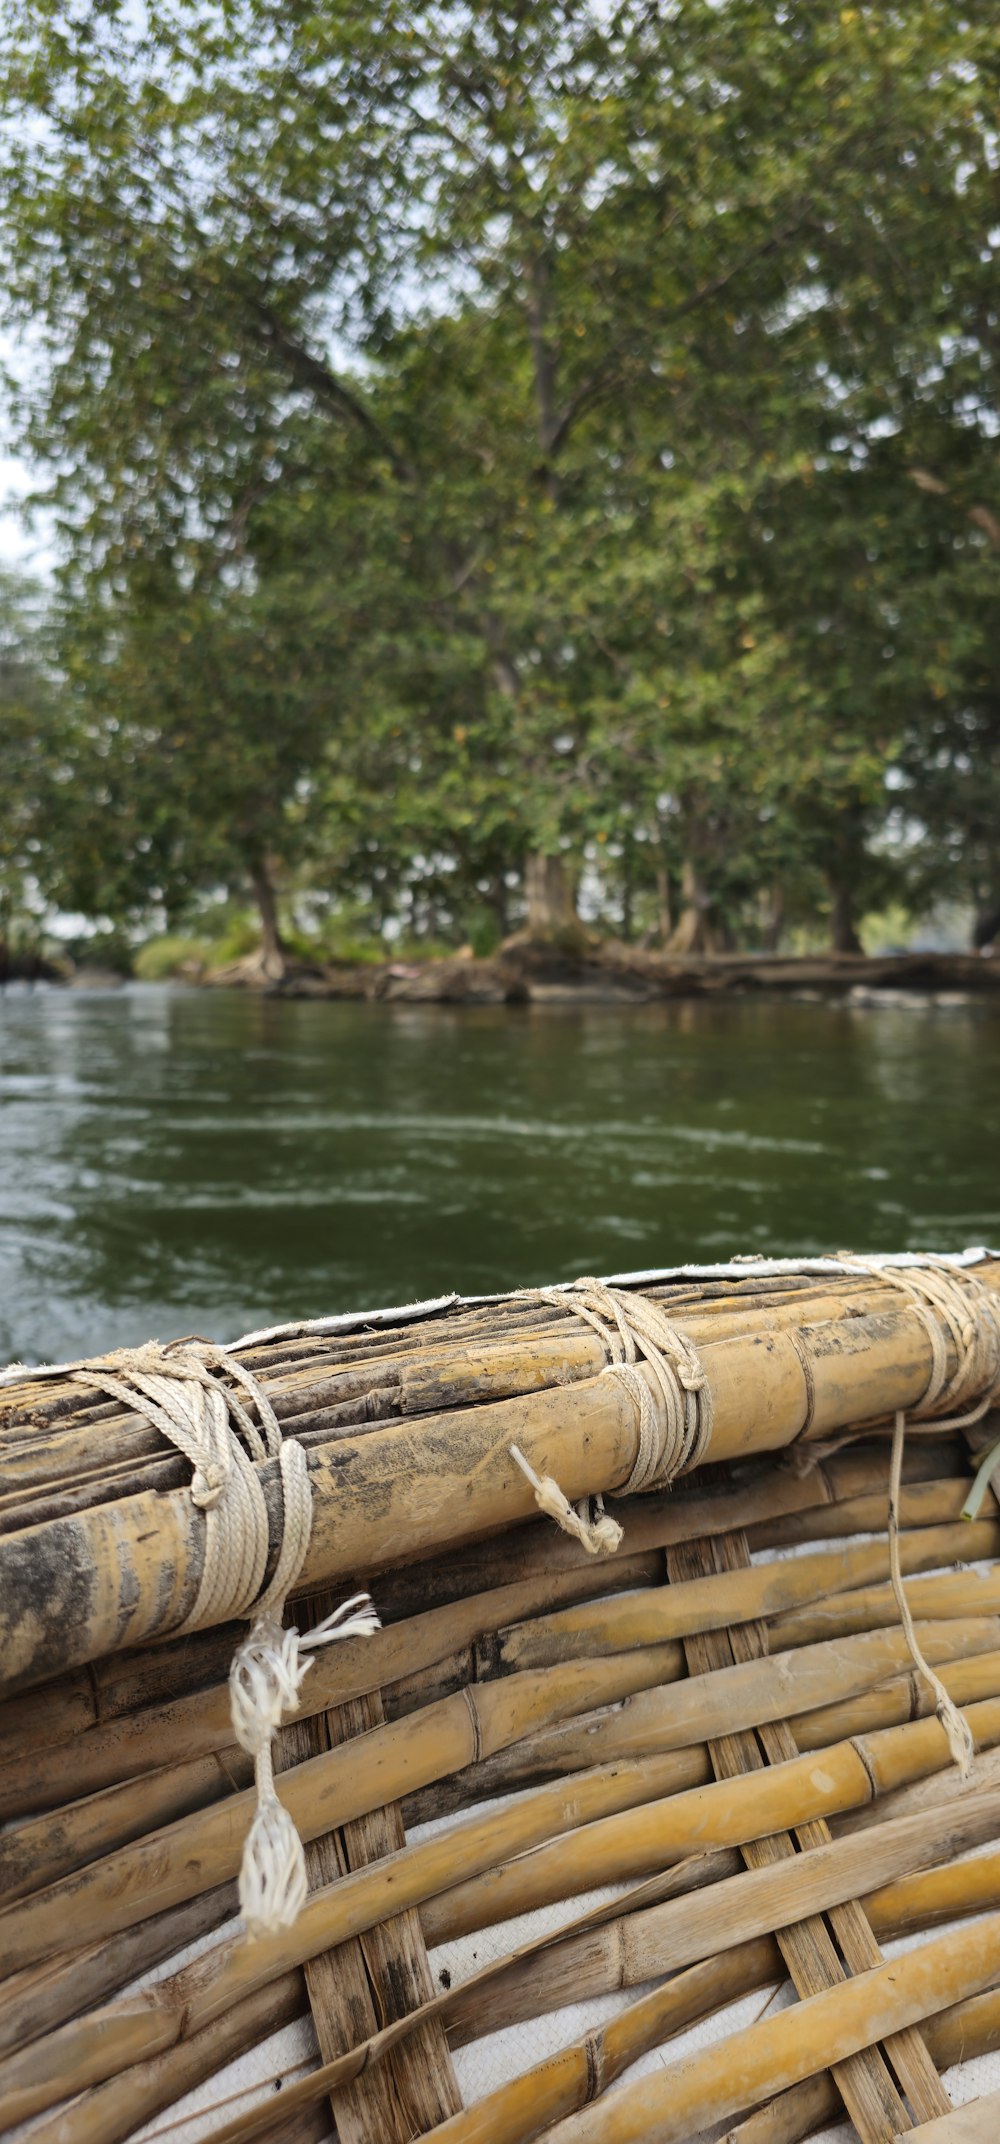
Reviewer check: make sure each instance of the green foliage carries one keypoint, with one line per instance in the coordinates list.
(478, 430)
(169, 955)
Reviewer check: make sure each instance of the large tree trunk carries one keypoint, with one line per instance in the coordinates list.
(664, 908)
(550, 897)
(498, 903)
(772, 917)
(693, 933)
(843, 931)
(273, 958)
(986, 925)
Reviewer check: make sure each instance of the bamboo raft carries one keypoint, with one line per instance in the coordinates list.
(634, 1825)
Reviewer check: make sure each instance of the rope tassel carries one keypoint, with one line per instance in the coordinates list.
(205, 1419)
(265, 1678)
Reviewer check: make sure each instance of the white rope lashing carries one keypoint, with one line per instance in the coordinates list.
(173, 1388)
(943, 1296)
(673, 1401)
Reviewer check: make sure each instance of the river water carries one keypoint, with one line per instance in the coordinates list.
(184, 1161)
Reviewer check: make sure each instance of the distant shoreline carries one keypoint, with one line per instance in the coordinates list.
(613, 975)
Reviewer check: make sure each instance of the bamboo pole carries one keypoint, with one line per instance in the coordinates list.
(47, 1429)
(147, 2087)
(125, 1572)
(944, 1594)
(45, 1848)
(627, 1844)
(606, 1736)
(44, 1996)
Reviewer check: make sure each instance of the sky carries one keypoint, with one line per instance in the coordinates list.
(16, 542)
(19, 544)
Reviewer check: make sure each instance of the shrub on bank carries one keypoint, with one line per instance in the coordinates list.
(171, 954)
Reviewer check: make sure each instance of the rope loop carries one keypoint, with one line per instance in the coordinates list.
(206, 1420)
(661, 1371)
(942, 1294)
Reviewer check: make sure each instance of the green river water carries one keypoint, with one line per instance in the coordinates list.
(181, 1161)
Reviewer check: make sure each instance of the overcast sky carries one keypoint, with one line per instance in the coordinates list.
(19, 545)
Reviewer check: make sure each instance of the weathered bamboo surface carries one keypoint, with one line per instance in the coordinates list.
(409, 1436)
(720, 1730)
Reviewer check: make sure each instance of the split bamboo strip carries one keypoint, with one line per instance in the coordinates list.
(537, 1568)
(517, 2112)
(852, 1930)
(383, 1979)
(122, 1573)
(609, 1850)
(975, 2123)
(627, 1844)
(72, 1984)
(748, 2066)
(807, 1945)
(203, 1848)
(648, 1617)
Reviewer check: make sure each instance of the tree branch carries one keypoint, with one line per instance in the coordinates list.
(310, 371)
(983, 516)
(602, 377)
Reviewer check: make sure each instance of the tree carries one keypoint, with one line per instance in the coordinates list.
(30, 726)
(433, 368)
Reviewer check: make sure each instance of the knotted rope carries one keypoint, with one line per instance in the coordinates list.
(943, 1294)
(173, 1388)
(673, 1400)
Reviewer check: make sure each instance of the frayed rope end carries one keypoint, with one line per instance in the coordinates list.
(264, 1683)
(600, 1536)
(273, 1882)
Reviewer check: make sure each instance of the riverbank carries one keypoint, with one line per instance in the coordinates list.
(528, 973)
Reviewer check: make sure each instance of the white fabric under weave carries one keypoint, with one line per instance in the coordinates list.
(490, 2062)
